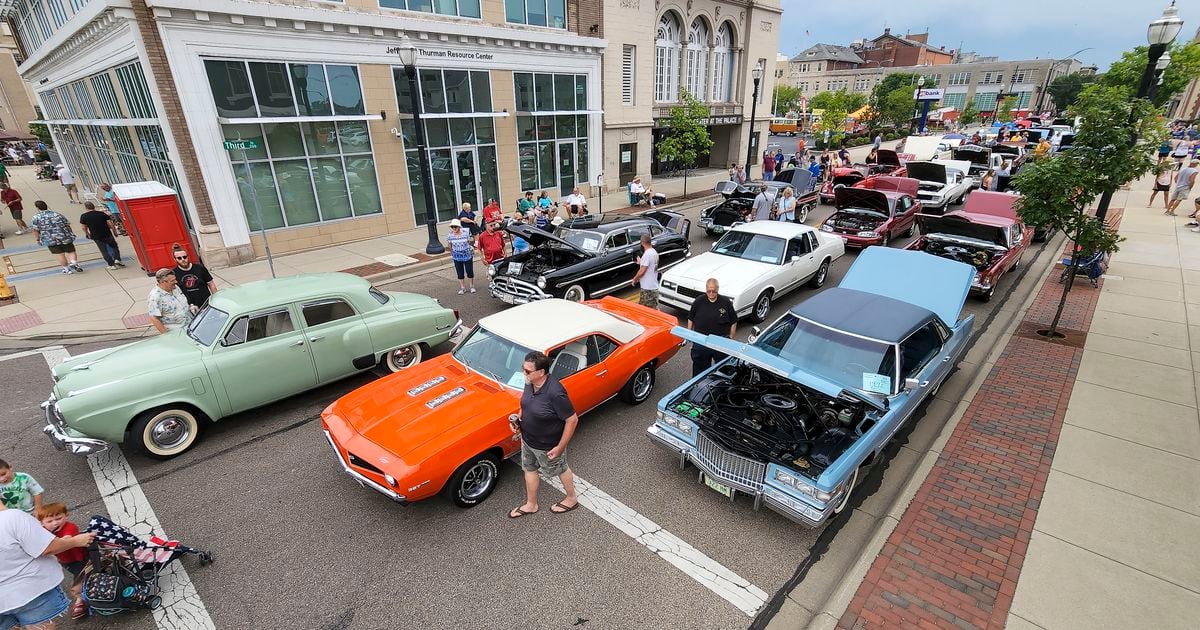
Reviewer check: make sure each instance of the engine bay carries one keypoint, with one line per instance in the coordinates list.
(754, 413)
(541, 260)
(730, 212)
(856, 221)
(979, 257)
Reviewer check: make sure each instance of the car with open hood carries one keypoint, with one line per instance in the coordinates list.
(754, 264)
(942, 183)
(874, 212)
(443, 427)
(793, 417)
(249, 346)
(586, 258)
(986, 234)
(738, 199)
(981, 161)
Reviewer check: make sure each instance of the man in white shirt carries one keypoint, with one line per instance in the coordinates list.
(67, 179)
(576, 204)
(31, 594)
(647, 274)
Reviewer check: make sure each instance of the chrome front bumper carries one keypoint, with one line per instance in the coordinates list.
(512, 291)
(56, 429)
(362, 479)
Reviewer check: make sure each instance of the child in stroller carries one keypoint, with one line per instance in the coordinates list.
(46, 172)
(123, 570)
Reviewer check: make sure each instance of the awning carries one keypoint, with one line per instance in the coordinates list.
(99, 122)
(266, 120)
(6, 136)
(861, 112)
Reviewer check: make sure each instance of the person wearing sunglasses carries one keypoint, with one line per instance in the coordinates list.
(194, 279)
(546, 423)
(711, 314)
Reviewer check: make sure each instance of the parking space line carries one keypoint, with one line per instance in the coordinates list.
(128, 507)
(708, 572)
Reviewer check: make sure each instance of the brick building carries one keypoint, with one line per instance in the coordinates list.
(888, 51)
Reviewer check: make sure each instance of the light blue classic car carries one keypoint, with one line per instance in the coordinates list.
(792, 418)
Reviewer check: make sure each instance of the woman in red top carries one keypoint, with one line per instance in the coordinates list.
(491, 243)
(492, 212)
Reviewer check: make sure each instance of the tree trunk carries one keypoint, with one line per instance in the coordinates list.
(1062, 302)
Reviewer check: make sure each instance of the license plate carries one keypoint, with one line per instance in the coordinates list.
(515, 268)
(719, 487)
(511, 299)
(718, 229)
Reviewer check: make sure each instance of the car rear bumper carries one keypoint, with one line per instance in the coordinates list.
(362, 479)
(60, 436)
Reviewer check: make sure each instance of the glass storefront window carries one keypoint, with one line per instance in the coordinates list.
(283, 140)
(354, 136)
(485, 131)
(481, 91)
(437, 132)
(364, 189)
(543, 91)
(231, 88)
(345, 90)
(564, 92)
(546, 164)
(298, 89)
(463, 8)
(296, 191)
(526, 130)
(247, 132)
(563, 136)
(462, 131)
(564, 126)
(488, 173)
(321, 138)
(272, 89)
(536, 12)
(312, 92)
(329, 179)
(527, 156)
(433, 94)
(545, 126)
(523, 84)
(458, 91)
(264, 191)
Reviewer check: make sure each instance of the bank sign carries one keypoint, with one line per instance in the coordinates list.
(427, 53)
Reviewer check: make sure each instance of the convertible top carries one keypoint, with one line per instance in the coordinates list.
(864, 314)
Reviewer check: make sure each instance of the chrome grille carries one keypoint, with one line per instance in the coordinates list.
(689, 293)
(740, 470)
(512, 286)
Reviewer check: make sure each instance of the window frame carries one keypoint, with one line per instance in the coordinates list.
(302, 306)
(260, 313)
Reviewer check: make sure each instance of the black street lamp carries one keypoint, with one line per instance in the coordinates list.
(408, 58)
(757, 73)
(1160, 68)
(1160, 34)
(917, 103)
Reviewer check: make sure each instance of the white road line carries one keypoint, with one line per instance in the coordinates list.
(181, 607)
(29, 353)
(708, 572)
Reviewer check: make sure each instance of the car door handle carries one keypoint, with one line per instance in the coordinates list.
(315, 339)
(601, 373)
(946, 359)
(298, 343)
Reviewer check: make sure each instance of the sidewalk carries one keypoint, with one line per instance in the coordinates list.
(1064, 495)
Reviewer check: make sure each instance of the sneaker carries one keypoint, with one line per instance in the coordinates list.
(460, 292)
(68, 270)
(18, 232)
(77, 268)
(472, 289)
(1196, 229)
(119, 263)
(112, 267)
(1191, 224)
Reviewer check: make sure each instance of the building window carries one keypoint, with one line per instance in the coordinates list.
(106, 97)
(1023, 99)
(258, 89)
(985, 101)
(803, 86)
(666, 59)
(461, 8)
(552, 147)
(957, 101)
(57, 12)
(51, 105)
(628, 74)
(932, 79)
(993, 78)
(535, 12)
(722, 65)
(960, 78)
(1020, 76)
(137, 94)
(83, 100)
(131, 166)
(697, 59)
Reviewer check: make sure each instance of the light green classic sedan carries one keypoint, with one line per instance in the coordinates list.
(251, 345)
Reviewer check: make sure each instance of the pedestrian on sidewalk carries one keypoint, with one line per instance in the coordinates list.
(740, 175)
(546, 424)
(192, 278)
(787, 206)
(462, 252)
(1184, 180)
(54, 231)
(57, 520)
(491, 243)
(29, 157)
(1180, 153)
(1162, 182)
(19, 490)
(167, 307)
(733, 169)
(11, 198)
(778, 160)
(98, 226)
(31, 594)
(110, 201)
(646, 277)
(466, 217)
(878, 141)
(67, 179)
(712, 314)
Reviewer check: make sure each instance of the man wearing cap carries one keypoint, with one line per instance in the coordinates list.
(67, 179)
(1183, 185)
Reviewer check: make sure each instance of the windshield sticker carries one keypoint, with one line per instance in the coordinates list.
(454, 393)
(877, 383)
(423, 387)
(591, 244)
(517, 380)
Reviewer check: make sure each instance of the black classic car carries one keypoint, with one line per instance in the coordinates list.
(588, 258)
(739, 200)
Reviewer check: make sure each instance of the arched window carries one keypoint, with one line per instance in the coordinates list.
(722, 63)
(697, 59)
(666, 59)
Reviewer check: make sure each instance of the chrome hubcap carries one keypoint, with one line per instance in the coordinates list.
(574, 295)
(822, 273)
(641, 384)
(478, 479)
(169, 432)
(764, 305)
(403, 357)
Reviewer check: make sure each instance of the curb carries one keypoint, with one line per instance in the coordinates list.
(843, 592)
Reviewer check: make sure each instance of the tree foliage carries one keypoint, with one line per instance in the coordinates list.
(1126, 73)
(1004, 109)
(848, 101)
(891, 100)
(1065, 89)
(970, 113)
(687, 135)
(41, 131)
(786, 99)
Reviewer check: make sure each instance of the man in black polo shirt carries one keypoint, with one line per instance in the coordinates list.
(546, 424)
(712, 314)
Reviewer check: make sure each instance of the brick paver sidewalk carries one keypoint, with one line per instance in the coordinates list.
(954, 558)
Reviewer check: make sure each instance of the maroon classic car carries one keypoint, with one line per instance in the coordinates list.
(873, 212)
(986, 233)
(887, 162)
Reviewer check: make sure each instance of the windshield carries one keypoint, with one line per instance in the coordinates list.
(586, 240)
(748, 246)
(493, 356)
(845, 360)
(207, 325)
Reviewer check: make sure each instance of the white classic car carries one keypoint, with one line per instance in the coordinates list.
(943, 182)
(754, 263)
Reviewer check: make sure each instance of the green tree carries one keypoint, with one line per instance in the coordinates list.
(848, 101)
(41, 131)
(833, 121)
(970, 113)
(1065, 89)
(786, 98)
(1004, 109)
(687, 135)
(885, 100)
(1126, 73)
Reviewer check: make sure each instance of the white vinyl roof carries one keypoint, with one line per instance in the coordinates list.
(544, 324)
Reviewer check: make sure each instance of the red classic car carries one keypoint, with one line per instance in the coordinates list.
(843, 177)
(875, 211)
(986, 233)
(887, 162)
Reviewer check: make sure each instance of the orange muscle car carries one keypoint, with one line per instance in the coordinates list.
(442, 425)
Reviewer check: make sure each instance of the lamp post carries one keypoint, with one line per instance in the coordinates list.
(1160, 68)
(1159, 34)
(916, 103)
(408, 58)
(1049, 71)
(757, 73)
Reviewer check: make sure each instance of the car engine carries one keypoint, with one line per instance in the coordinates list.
(979, 257)
(540, 260)
(855, 221)
(730, 212)
(752, 412)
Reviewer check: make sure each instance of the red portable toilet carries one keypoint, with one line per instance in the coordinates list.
(154, 219)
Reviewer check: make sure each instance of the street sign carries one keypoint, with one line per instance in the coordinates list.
(929, 94)
(241, 145)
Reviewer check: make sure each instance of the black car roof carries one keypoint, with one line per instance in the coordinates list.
(865, 314)
(607, 222)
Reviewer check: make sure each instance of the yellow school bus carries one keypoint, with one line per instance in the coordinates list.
(790, 126)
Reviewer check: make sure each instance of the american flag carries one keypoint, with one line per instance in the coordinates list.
(157, 550)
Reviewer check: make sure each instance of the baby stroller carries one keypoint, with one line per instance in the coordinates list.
(46, 172)
(123, 570)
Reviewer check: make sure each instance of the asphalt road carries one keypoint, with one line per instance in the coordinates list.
(299, 544)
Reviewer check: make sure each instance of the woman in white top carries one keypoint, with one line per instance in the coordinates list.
(787, 206)
(1162, 183)
(1180, 153)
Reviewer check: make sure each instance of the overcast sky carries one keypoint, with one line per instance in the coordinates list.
(1012, 29)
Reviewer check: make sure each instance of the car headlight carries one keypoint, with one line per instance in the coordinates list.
(825, 227)
(802, 485)
(491, 270)
(541, 281)
(869, 234)
(684, 425)
(669, 285)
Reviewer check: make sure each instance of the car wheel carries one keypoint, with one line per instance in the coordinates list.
(887, 239)
(850, 490)
(402, 358)
(165, 432)
(802, 213)
(762, 308)
(912, 229)
(639, 386)
(575, 293)
(822, 273)
(988, 295)
(474, 481)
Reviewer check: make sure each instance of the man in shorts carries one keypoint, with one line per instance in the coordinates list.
(54, 231)
(1184, 181)
(67, 179)
(11, 198)
(546, 424)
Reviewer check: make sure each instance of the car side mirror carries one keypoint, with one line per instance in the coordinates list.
(755, 331)
(914, 383)
(795, 259)
(712, 247)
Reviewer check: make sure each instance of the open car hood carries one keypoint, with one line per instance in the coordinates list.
(931, 282)
(973, 154)
(536, 237)
(959, 224)
(906, 185)
(927, 171)
(887, 156)
(751, 353)
(996, 204)
(867, 198)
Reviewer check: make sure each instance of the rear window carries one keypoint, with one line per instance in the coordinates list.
(379, 296)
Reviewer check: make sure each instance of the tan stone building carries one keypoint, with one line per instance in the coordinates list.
(152, 89)
(658, 50)
(16, 99)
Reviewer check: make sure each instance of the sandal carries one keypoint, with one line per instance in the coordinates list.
(79, 610)
(518, 513)
(565, 508)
